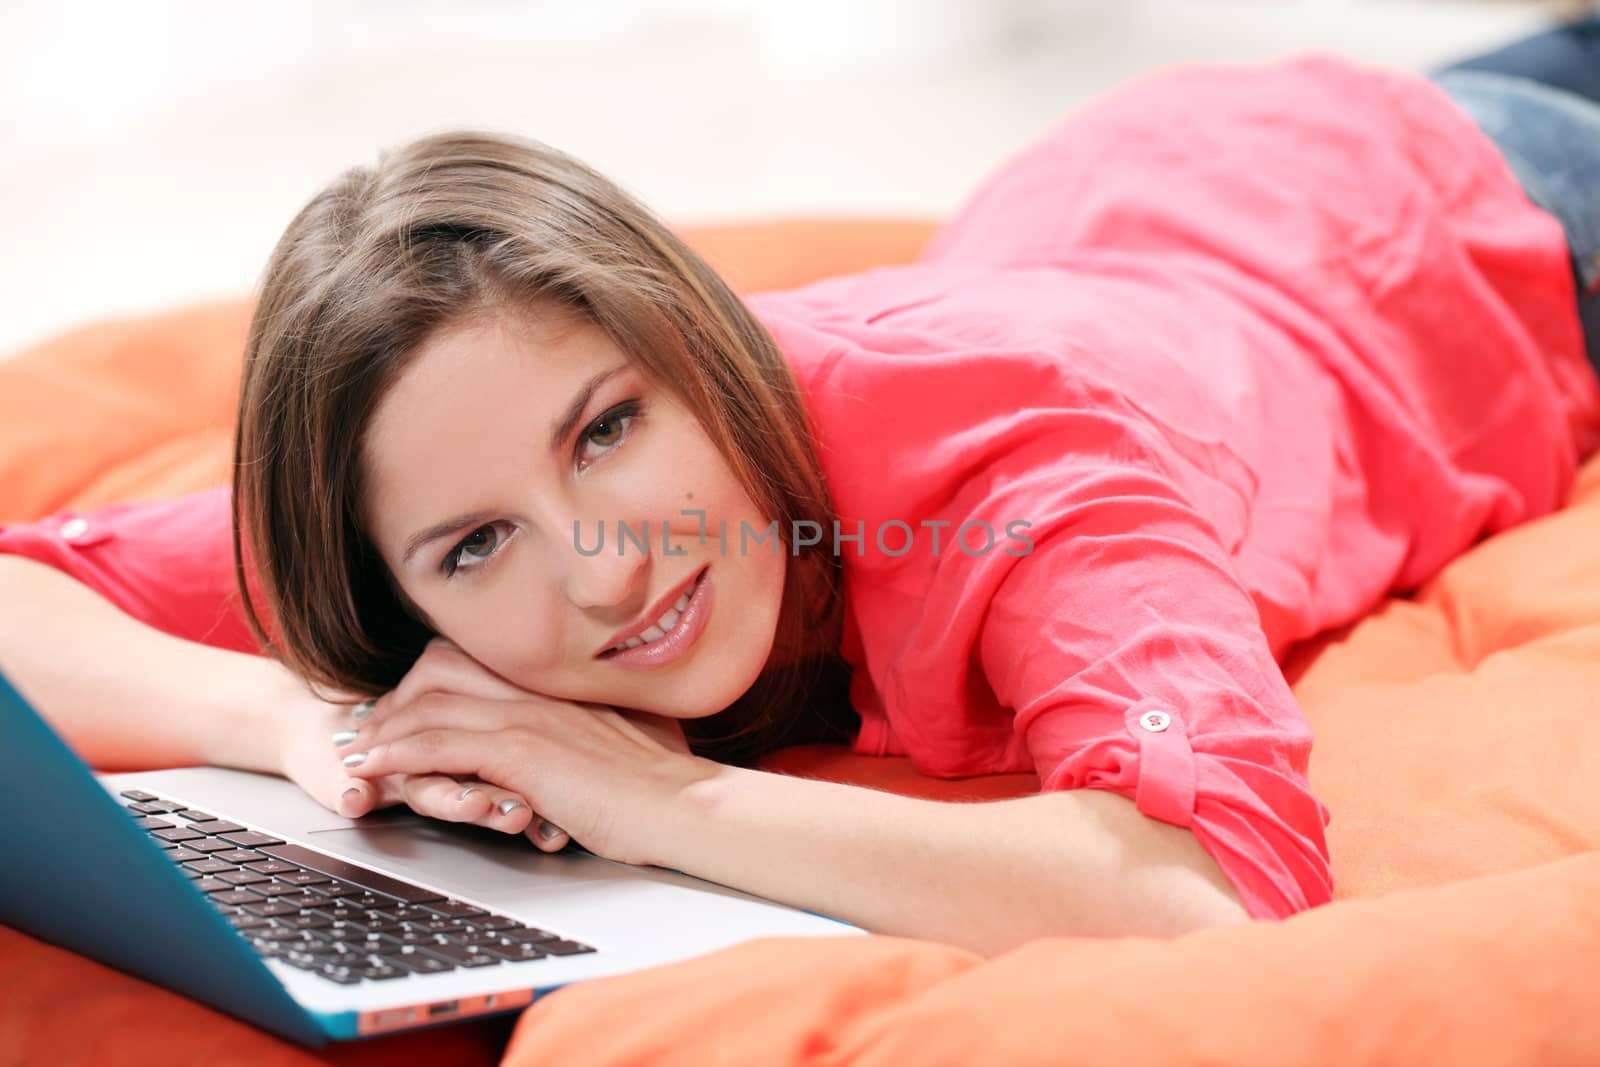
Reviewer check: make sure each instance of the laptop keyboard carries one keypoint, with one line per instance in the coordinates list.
(335, 919)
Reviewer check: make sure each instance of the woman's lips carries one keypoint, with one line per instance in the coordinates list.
(676, 642)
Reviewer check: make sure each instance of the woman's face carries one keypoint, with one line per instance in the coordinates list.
(500, 436)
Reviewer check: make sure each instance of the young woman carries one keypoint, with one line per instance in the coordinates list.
(564, 534)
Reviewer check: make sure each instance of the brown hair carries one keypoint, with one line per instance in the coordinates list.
(441, 229)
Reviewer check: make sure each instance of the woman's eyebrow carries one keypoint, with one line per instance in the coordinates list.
(443, 529)
(562, 427)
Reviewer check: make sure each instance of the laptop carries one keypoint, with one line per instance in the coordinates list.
(239, 890)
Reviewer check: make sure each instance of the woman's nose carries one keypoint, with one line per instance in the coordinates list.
(607, 564)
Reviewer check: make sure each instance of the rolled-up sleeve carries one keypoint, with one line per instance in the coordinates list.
(167, 563)
(1135, 661)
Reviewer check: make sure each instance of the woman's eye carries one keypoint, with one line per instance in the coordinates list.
(607, 432)
(478, 546)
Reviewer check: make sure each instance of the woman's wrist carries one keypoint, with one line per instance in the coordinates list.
(701, 788)
(252, 724)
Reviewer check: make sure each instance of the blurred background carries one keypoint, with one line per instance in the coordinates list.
(155, 150)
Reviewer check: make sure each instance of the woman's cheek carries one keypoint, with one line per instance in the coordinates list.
(514, 636)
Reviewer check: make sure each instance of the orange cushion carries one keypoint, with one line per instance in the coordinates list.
(1494, 972)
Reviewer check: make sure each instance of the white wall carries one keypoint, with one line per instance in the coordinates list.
(154, 150)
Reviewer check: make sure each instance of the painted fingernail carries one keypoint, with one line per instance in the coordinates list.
(355, 760)
(467, 792)
(549, 830)
(364, 709)
(343, 738)
(508, 806)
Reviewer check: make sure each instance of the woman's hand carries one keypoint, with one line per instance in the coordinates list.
(309, 752)
(610, 779)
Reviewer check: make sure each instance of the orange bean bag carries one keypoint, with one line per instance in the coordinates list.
(1457, 745)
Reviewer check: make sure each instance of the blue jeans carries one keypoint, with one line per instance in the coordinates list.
(1539, 102)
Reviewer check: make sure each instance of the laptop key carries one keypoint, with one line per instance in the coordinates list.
(150, 822)
(416, 962)
(517, 953)
(334, 889)
(240, 876)
(219, 827)
(349, 955)
(475, 938)
(152, 807)
(565, 948)
(271, 908)
(302, 920)
(246, 921)
(527, 935)
(276, 889)
(380, 971)
(348, 872)
(139, 795)
(213, 885)
(195, 815)
(264, 865)
(344, 929)
(496, 922)
(301, 945)
(461, 955)
(240, 896)
(239, 855)
(176, 834)
(409, 938)
(209, 865)
(179, 854)
(251, 839)
(455, 909)
(208, 844)
(303, 899)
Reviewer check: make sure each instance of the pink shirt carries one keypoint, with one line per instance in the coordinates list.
(1245, 349)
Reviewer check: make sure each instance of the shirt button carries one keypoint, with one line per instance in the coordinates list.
(1155, 721)
(73, 529)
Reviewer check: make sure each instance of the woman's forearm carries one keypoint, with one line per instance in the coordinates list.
(984, 876)
(124, 695)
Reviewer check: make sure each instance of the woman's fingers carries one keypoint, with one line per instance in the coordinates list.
(440, 796)
(431, 751)
(356, 798)
(467, 800)
(438, 710)
(547, 835)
